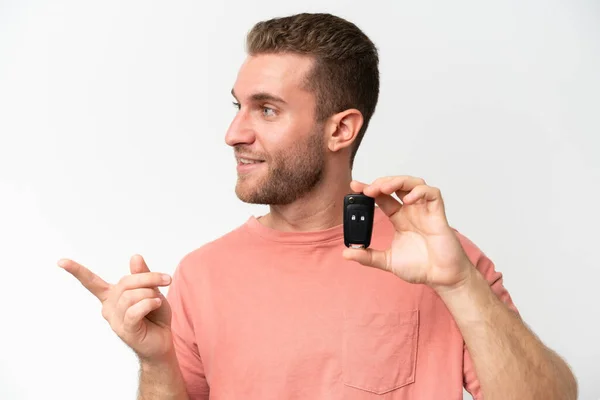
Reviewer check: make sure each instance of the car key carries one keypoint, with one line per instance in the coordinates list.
(358, 220)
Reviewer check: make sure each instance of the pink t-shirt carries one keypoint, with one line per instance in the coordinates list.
(264, 314)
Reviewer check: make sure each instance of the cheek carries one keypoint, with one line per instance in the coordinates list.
(282, 137)
(276, 143)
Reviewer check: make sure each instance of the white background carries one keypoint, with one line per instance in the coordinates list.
(112, 123)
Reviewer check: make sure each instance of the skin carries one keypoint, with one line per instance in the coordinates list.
(280, 132)
(303, 179)
(306, 169)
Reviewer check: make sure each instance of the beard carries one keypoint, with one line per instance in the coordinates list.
(290, 174)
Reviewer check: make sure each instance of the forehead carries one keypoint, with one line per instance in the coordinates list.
(280, 74)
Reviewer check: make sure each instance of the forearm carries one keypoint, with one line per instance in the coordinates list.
(162, 380)
(509, 360)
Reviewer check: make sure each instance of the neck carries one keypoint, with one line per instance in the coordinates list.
(317, 210)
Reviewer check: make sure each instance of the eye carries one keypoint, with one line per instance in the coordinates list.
(268, 112)
(236, 105)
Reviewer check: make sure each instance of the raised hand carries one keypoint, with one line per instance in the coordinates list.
(425, 249)
(134, 307)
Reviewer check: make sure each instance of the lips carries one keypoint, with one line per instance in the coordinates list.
(247, 164)
(247, 161)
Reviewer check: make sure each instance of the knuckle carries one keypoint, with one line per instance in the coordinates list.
(127, 298)
(123, 281)
(147, 278)
(155, 276)
(379, 181)
(128, 317)
(110, 289)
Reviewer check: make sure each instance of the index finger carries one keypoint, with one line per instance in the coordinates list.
(92, 282)
(357, 186)
(401, 185)
(387, 203)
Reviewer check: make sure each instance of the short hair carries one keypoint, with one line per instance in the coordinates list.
(346, 69)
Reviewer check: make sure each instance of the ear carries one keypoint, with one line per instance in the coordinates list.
(342, 129)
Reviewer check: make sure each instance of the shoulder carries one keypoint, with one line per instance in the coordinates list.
(198, 260)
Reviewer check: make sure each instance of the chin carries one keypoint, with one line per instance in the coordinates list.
(256, 194)
(248, 192)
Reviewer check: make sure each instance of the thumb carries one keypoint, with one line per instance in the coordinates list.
(138, 265)
(368, 257)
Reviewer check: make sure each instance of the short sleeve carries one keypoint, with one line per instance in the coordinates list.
(184, 337)
(487, 269)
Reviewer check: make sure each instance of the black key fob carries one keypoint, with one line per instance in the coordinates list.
(358, 220)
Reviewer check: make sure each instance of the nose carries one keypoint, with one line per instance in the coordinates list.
(240, 130)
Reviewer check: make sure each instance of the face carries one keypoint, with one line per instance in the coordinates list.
(278, 146)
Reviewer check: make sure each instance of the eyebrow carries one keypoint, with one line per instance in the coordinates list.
(263, 96)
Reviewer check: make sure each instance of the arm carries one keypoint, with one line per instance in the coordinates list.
(511, 363)
(162, 380)
(509, 360)
(141, 316)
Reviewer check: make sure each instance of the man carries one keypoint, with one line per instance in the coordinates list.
(278, 308)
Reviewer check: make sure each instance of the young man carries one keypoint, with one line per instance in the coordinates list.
(279, 308)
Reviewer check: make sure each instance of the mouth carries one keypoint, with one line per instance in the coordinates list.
(248, 161)
(247, 165)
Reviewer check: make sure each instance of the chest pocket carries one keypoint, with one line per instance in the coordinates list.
(379, 350)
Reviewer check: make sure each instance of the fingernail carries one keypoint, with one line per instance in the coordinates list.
(166, 278)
